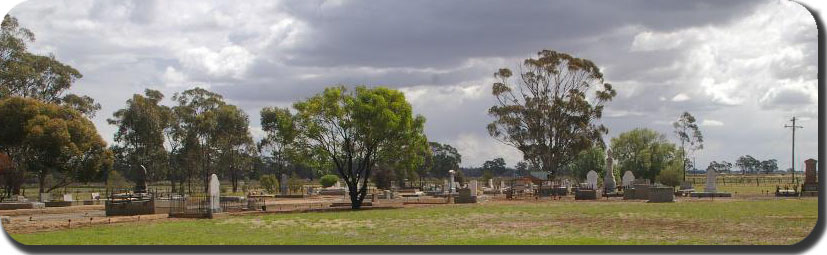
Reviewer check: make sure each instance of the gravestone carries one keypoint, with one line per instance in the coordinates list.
(491, 183)
(711, 184)
(591, 180)
(661, 194)
(810, 175)
(711, 187)
(140, 184)
(473, 187)
(96, 196)
(502, 185)
(67, 198)
(627, 180)
(283, 184)
(451, 188)
(45, 197)
(215, 194)
(609, 185)
(464, 197)
(810, 187)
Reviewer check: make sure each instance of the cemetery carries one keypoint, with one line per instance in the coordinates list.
(260, 133)
(124, 209)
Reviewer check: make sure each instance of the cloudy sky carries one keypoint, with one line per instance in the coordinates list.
(743, 68)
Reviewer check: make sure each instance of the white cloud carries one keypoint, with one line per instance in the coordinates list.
(476, 149)
(231, 61)
(680, 97)
(711, 123)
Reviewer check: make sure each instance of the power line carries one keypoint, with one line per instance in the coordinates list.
(792, 162)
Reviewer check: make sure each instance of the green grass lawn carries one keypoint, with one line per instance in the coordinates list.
(550, 222)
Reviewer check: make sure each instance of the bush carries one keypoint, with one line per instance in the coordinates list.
(328, 180)
(269, 183)
(672, 175)
(116, 181)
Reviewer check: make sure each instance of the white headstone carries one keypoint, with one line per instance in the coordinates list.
(67, 197)
(96, 196)
(711, 185)
(215, 194)
(502, 185)
(491, 183)
(473, 187)
(591, 179)
(453, 187)
(628, 179)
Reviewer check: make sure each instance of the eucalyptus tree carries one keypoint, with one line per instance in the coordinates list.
(444, 158)
(233, 142)
(548, 113)
(645, 152)
(357, 129)
(140, 137)
(280, 143)
(51, 140)
(24, 74)
(195, 130)
(690, 136)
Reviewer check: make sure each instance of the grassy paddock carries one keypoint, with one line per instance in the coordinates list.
(771, 221)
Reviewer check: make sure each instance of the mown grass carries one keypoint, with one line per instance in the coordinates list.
(550, 222)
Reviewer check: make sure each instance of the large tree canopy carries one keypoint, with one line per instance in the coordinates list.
(357, 129)
(444, 157)
(140, 136)
(210, 135)
(645, 152)
(51, 140)
(590, 159)
(24, 74)
(548, 113)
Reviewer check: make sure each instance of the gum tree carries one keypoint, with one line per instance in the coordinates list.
(357, 129)
(549, 113)
(686, 129)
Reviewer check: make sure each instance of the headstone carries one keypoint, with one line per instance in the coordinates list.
(661, 194)
(609, 184)
(140, 184)
(628, 179)
(45, 197)
(452, 188)
(283, 184)
(502, 184)
(591, 180)
(810, 187)
(215, 194)
(67, 197)
(473, 187)
(711, 184)
(96, 196)
(22, 199)
(491, 183)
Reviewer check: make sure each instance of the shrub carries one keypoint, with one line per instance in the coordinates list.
(116, 181)
(268, 183)
(328, 180)
(671, 176)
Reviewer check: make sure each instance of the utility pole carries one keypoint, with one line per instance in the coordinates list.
(792, 163)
